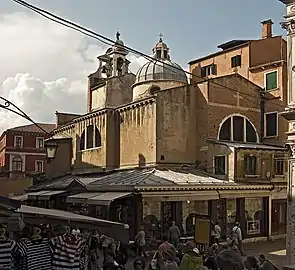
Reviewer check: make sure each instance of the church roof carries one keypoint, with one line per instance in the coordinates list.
(161, 67)
(164, 70)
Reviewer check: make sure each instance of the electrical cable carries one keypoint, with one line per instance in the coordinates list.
(110, 42)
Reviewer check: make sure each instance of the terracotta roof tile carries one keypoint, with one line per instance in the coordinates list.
(34, 128)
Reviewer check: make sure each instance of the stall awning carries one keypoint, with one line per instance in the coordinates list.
(34, 195)
(22, 198)
(107, 197)
(81, 197)
(37, 215)
(46, 196)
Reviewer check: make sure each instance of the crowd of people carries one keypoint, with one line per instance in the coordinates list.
(172, 255)
(43, 247)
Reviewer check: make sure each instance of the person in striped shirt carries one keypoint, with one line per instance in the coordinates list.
(36, 252)
(8, 250)
(67, 250)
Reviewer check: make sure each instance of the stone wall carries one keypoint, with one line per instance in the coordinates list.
(138, 134)
(176, 125)
(114, 92)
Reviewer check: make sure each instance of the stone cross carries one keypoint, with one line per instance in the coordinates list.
(238, 96)
(160, 35)
(118, 35)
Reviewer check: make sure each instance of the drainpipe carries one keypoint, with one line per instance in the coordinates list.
(262, 111)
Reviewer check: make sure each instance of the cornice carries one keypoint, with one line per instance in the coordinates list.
(137, 104)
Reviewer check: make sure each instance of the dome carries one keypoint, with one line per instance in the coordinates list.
(160, 45)
(164, 70)
(158, 74)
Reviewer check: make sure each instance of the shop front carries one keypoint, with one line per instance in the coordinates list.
(160, 209)
(256, 217)
(279, 217)
(251, 213)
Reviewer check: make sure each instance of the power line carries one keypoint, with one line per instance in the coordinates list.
(110, 42)
(9, 106)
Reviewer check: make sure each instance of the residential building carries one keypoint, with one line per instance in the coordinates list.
(262, 61)
(154, 148)
(22, 149)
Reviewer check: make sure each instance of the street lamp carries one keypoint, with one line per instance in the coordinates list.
(51, 149)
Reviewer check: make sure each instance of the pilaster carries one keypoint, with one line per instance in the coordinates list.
(289, 114)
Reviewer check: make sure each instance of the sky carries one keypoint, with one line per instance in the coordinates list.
(44, 66)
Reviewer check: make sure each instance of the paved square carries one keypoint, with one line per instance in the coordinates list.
(275, 251)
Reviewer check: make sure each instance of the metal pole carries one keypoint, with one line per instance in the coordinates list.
(11, 107)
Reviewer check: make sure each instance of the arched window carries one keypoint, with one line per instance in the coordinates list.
(90, 138)
(237, 128)
(17, 164)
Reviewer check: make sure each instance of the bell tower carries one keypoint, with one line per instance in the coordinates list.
(105, 86)
(114, 62)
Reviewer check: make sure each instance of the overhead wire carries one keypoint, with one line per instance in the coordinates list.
(107, 41)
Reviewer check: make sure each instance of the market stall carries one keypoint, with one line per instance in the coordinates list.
(35, 215)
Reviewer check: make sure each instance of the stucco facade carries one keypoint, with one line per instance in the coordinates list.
(254, 62)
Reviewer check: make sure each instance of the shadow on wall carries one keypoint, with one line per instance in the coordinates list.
(141, 161)
(202, 119)
(78, 164)
(196, 77)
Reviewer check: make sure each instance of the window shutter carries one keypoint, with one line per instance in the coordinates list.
(214, 69)
(271, 80)
(271, 124)
(203, 72)
(239, 60)
(233, 62)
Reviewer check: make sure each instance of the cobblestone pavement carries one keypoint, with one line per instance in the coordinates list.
(273, 250)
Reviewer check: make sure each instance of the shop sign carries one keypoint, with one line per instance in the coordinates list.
(253, 227)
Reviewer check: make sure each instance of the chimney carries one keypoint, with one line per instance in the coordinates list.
(267, 29)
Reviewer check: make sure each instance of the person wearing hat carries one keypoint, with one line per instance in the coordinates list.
(167, 262)
(228, 259)
(192, 259)
(167, 246)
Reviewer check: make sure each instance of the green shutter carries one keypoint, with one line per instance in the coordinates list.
(271, 80)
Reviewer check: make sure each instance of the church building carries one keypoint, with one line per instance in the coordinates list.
(155, 148)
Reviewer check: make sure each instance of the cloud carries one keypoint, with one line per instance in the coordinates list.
(45, 67)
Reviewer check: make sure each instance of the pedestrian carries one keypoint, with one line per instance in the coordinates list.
(210, 261)
(140, 242)
(217, 232)
(167, 262)
(192, 259)
(109, 262)
(265, 264)
(139, 263)
(251, 263)
(237, 237)
(174, 234)
(167, 246)
(228, 259)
